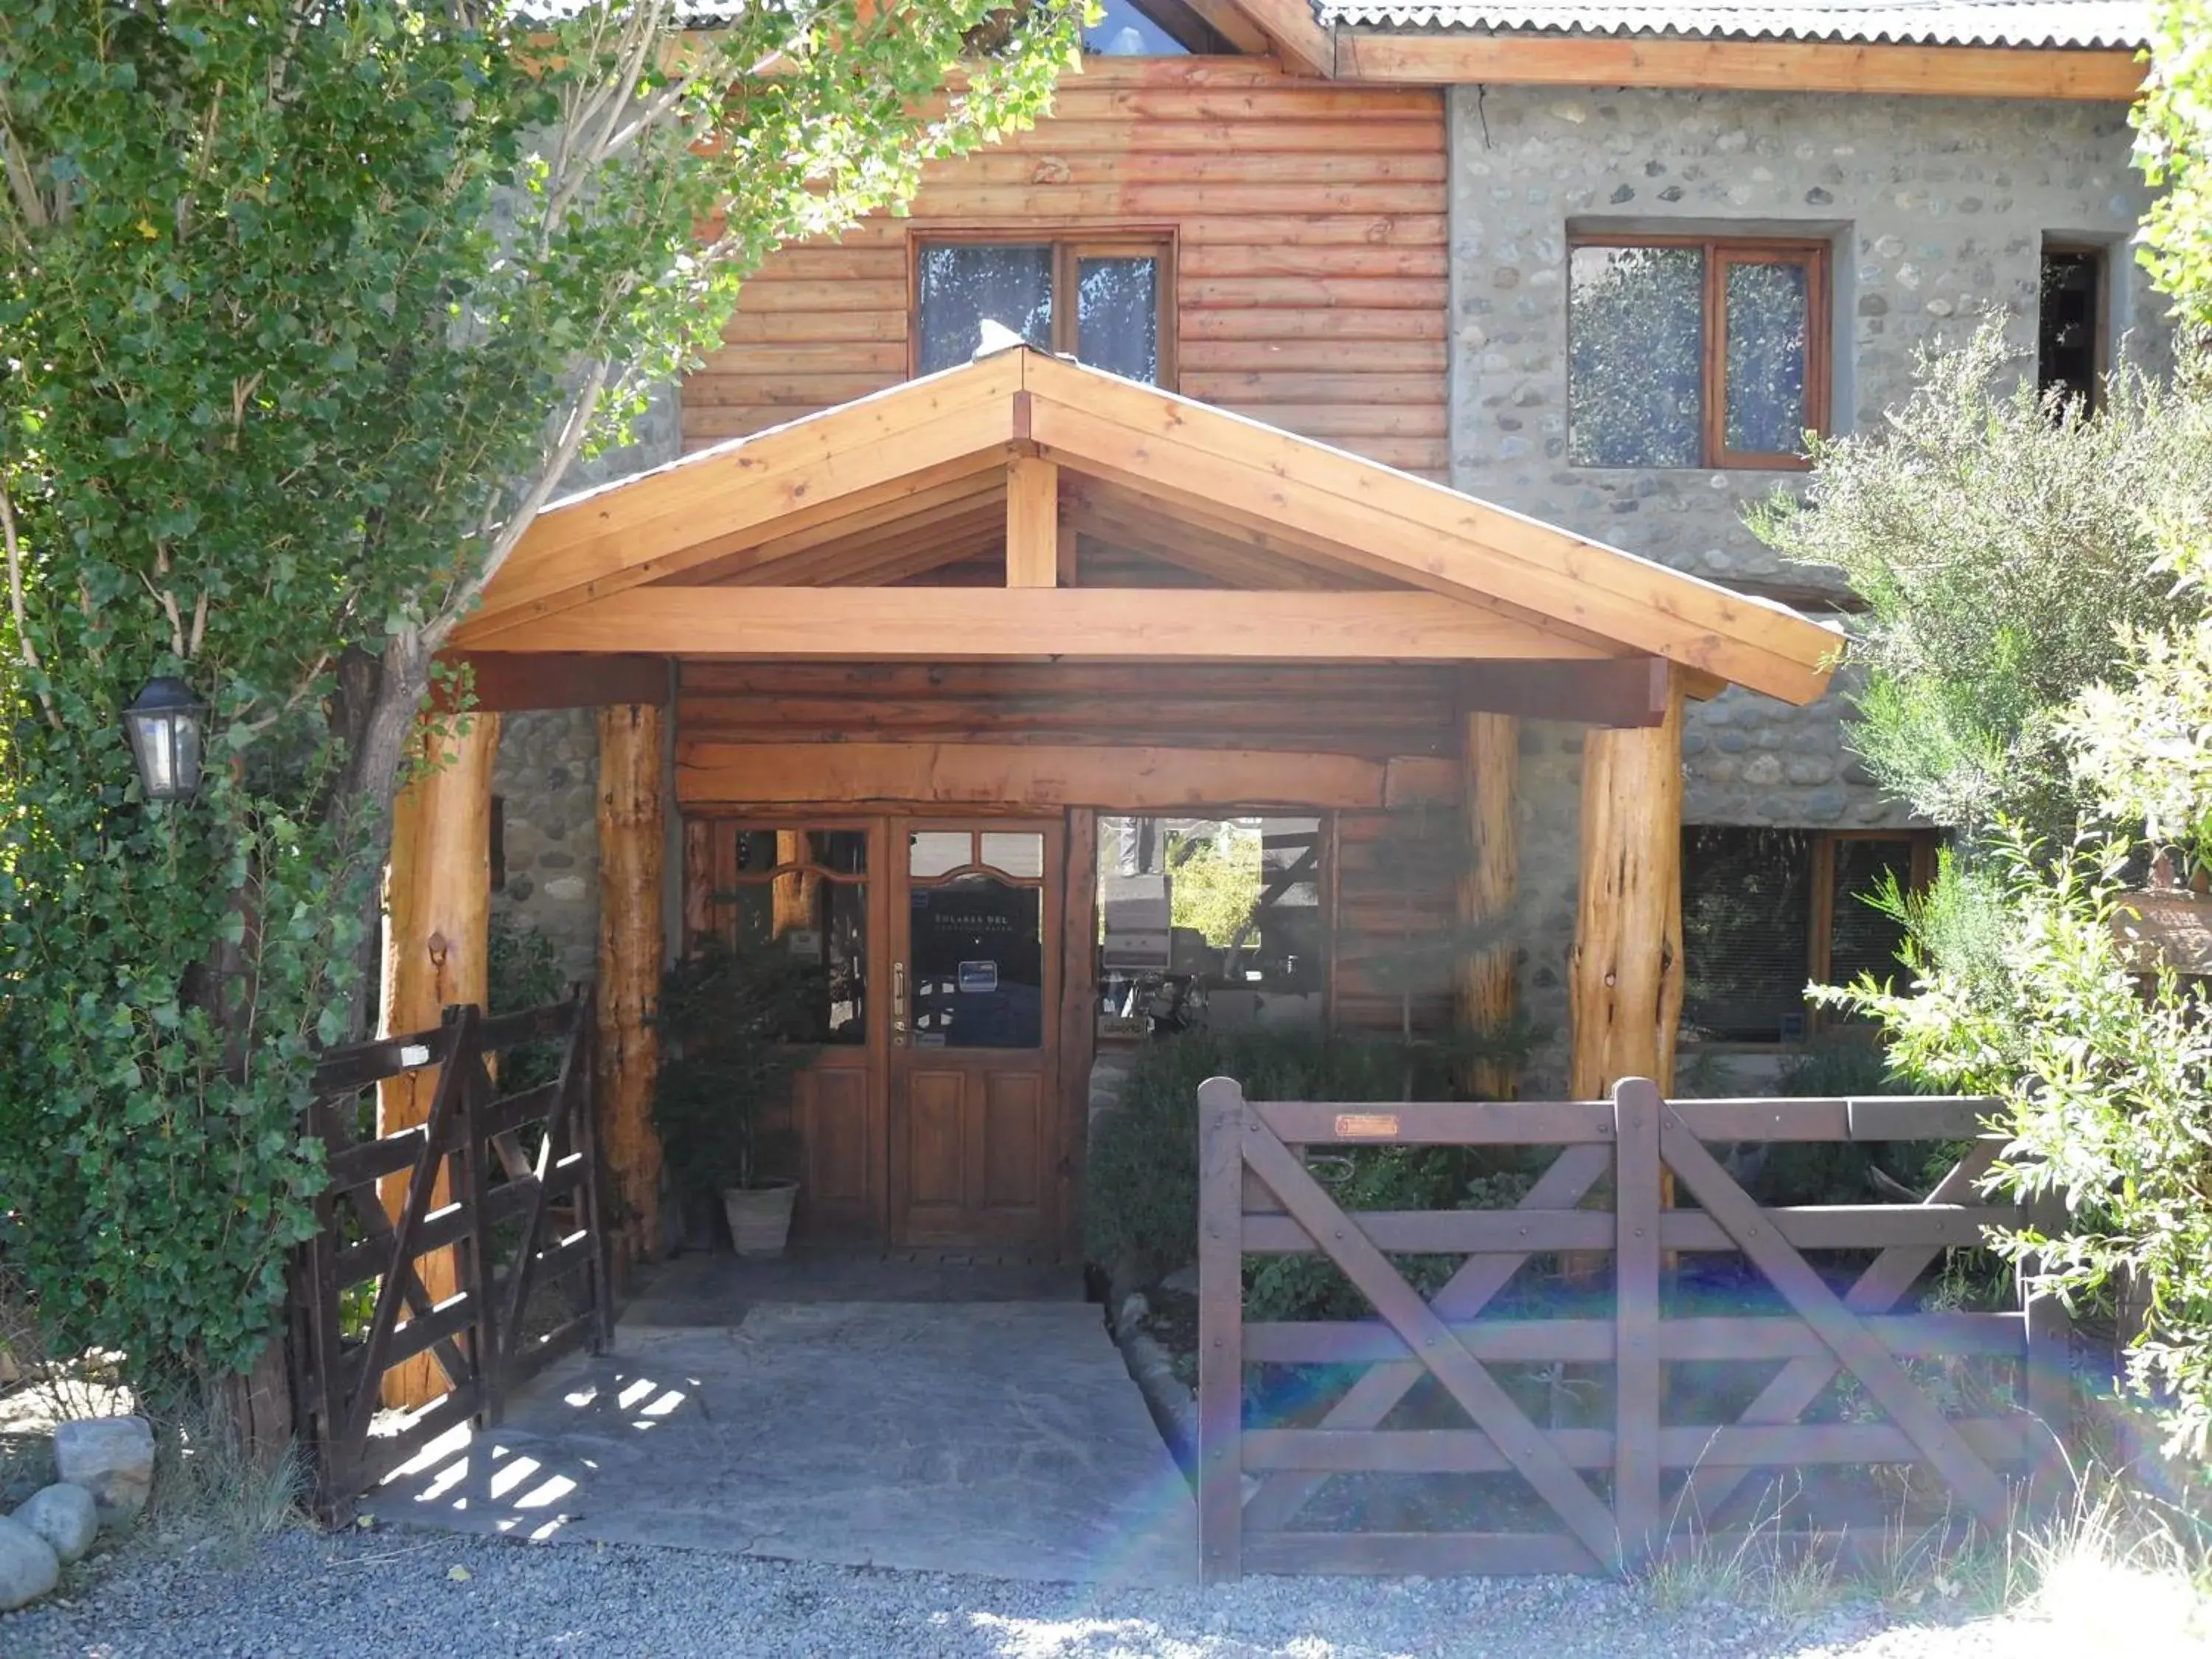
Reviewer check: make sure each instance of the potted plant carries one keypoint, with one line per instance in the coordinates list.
(735, 1026)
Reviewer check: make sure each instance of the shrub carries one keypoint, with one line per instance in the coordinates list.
(1140, 1211)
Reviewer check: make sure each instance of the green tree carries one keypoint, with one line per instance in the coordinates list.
(2173, 146)
(306, 310)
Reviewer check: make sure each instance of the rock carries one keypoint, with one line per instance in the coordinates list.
(28, 1566)
(1184, 1279)
(111, 1458)
(66, 1517)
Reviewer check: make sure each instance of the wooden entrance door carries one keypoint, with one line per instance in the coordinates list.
(974, 1114)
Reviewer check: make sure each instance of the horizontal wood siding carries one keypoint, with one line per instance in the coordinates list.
(1307, 220)
(1396, 866)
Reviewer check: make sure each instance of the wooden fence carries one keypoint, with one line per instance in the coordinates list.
(1599, 1495)
(502, 1187)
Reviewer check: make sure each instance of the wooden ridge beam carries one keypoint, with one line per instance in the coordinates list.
(1132, 623)
(2095, 76)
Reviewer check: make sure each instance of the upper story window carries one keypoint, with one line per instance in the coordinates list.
(1105, 303)
(1695, 351)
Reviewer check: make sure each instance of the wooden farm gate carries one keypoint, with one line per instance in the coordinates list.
(1600, 1496)
(501, 1191)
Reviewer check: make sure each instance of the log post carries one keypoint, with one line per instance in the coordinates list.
(437, 940)
(1489, 885)
(631, 837)
(1625, 975)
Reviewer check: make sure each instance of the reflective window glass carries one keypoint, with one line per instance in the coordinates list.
(1635, 344)
(964, 283)
(1117, 324)
(934, 852)
(1014, 853)
(1766, 360)
(977, 973)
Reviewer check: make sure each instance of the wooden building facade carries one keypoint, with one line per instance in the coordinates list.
(876, 676)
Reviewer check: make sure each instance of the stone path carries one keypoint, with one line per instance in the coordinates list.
(998, 1438)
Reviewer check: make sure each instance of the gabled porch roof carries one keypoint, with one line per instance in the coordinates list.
(836, 535)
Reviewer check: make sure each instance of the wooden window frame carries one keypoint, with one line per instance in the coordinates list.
(1721, 252)
(1069, 249)
(1820, 915)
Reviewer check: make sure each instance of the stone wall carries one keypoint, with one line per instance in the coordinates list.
(547, 772)
(1937, 210)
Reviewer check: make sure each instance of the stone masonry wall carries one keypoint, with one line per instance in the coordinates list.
(547, 774)
(1937, 210)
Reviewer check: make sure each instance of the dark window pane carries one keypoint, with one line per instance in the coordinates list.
(978, 967)
(1768, 305)
(964, 283)
(820, 928)
(1118, 317)
(1635, 336)
(1864, 940)
(840, 852)
(756, 852)
(1746, 913)
(2066, 325)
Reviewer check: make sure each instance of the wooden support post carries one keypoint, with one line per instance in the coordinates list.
(1625, 975)
(631, 837)
(437, 933)
(1032, 523)
(1489, 885)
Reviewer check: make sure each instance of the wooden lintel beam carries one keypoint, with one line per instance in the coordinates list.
(1627, 692)
(1029, 776)
(513, 682)
(1134, 623)
(1032, 523)
(2095, 76)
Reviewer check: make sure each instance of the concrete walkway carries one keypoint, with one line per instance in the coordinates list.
(998, 1438)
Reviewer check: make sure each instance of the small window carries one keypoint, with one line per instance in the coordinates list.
(1104, 303)
(1690, 354)
(2069, 323)
(1765, 911)
(1219, 921)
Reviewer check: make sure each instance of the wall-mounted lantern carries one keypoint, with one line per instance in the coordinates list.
(166, 722)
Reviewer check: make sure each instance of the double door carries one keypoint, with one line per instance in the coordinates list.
(928, 954)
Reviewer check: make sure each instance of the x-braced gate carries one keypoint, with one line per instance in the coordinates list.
(501, 1191)
(1622, 1493)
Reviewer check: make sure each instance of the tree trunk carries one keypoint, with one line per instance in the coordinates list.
(1489, 886)
(436, 953)
(1625, 986)
(632, 836)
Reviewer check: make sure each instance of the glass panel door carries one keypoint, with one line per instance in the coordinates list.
(976, 938)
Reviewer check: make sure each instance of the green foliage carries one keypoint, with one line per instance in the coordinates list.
(2173, 146)
(1140, 1202)
(1217, 883)
(523, 972)
(305, 312)
(2003, 551)
(2107, 1092)
(733, 1025)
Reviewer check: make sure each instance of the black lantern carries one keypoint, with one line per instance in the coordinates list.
(165, 724)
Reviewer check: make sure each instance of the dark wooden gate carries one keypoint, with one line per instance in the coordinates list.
(509, 1182)
(1610, 1494)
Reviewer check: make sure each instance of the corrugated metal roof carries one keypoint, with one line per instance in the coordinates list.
(2083, 23)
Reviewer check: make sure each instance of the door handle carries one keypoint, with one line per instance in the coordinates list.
(898, 1004)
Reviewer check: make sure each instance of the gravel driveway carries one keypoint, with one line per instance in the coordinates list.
(404, 1593)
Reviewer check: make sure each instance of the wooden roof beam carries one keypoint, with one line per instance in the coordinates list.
(1299, 38)
(1437, 59)
(1102, 623)
(1032, 523)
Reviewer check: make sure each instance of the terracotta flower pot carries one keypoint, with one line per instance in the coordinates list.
(760, 1217)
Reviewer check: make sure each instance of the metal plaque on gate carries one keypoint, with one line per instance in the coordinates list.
(1367, 1126)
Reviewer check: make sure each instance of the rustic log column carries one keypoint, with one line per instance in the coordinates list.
(437, 930)
(631, 830)
(1489, 886)
(1624, 977)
